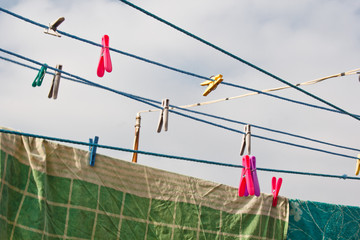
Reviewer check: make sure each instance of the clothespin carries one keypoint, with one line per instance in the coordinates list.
(55, 83)
(212, 84)
(246, 140)
(254, 176)
(136, 139)
(275, 189)
(92, 149)
(246, 181)
(53, 27)
(357, 170)
(105, 60)
(164, 113)
(40, 76)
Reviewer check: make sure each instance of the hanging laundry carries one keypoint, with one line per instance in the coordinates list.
(56, 194)
(315, 220)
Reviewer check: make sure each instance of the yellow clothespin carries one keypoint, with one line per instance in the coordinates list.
(212, 84)
(357, 165)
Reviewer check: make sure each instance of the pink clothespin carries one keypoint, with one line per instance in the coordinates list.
(246, 181)
(275, 189)
(254, 178)
(105, 61)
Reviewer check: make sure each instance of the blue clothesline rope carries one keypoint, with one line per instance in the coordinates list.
(238, 58)
(175, 69)
(208, 115)
(157, 105)
(269, 129)
(175, 157)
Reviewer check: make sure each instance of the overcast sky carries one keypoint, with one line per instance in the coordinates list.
(295, 40)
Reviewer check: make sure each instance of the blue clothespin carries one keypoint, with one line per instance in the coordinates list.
(92, 149)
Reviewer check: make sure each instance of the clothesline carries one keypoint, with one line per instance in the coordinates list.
(157, 105)
(337, 109)
(344, 176)
(235, 57)
(145, 101)
(351, 72)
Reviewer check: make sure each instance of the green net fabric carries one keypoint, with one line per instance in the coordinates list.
(314, 220)
(49, 191)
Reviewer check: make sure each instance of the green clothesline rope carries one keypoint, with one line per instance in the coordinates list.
(174, 157)
(238, 58)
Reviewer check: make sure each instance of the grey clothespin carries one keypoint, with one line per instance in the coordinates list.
(55, 83)
(53, 27)
(164, 113)
(246, 140)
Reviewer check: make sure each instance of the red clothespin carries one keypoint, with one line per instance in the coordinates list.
(275, 189)
(105, 61)
(246, 180)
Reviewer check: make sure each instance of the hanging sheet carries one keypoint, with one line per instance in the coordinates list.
(314, 220)
(49, 191)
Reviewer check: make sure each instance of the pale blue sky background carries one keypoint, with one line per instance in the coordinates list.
(296, 40)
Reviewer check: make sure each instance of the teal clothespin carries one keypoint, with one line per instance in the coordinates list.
(40, 76)
(92, 148)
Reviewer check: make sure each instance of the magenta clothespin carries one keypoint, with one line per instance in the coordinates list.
(105, 60)
(246, 181)
(254, 176)
(275, 189)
